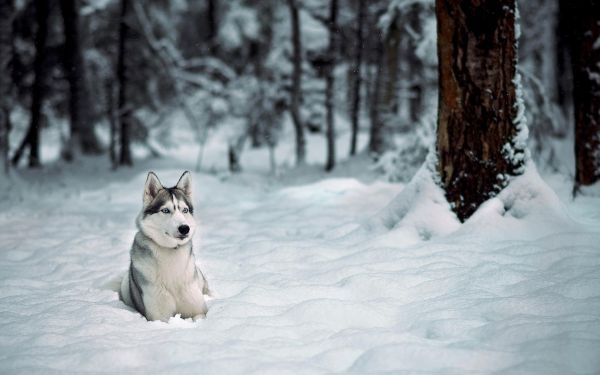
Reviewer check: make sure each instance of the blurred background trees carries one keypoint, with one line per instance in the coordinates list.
(106, 77)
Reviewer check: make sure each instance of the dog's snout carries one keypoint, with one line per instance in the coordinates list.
(184, 229)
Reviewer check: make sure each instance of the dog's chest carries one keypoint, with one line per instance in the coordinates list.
(175, 270)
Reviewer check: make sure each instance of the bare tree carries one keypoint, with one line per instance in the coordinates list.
(82, 131)
(477, 128)
(586, 90)
(356, 84)
(32, 138)
(296, 95)
(6, 51)
(124, 112)
(329, 85)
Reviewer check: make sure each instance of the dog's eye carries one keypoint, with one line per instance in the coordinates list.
(165, 211)
(185, 210)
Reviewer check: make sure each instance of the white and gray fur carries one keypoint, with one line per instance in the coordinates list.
(163, 279)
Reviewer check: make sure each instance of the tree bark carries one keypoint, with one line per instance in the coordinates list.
(329, 85)
(585, 47)
(387, 99)
(296, 95)
(478, 119)
(355, 111)
(6, 51)
(124, 112)
(82, 131)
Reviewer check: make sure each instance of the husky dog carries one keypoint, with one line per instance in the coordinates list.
(163, 279)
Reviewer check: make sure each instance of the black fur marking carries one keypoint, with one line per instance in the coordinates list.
(180, 195)
(156, 204)
(135, 291)
(163, 196)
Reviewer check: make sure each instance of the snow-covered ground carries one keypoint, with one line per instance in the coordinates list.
(333, 276)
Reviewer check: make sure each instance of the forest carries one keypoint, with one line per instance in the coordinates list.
(402, 185)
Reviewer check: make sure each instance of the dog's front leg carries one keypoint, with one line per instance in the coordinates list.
(159, 304)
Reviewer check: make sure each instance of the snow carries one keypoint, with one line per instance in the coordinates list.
(311, 275)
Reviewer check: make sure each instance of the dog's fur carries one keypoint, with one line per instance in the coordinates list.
(163, 279)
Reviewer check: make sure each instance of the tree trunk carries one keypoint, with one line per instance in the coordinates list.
(213, 26)
(112, 120)
(387, 99)
(296, 95)
(329, 86)
(123, 109)
(480, 114)
(6, 51)
(586, 94)
(32, 139)
(375, 137)
(355, 111)
(82, 131)
(416, 68)
(564, 76)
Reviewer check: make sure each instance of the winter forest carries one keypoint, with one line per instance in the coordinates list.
(379, 186)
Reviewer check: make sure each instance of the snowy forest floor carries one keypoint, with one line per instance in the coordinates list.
(303, 282)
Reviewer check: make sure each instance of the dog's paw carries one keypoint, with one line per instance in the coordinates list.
(199, 317)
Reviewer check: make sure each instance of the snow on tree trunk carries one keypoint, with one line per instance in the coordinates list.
(329, 85)
(296, 96)
(585, 46)
(6, 19)
(82, 130)
(356, 74)
(481, 131)
(124, 112)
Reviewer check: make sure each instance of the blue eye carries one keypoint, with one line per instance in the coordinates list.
(185, 210)
(165, 211)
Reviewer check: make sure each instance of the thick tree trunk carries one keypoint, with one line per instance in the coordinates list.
(6, 51)
(586, 93)
(124, 112)
(387, 99)
(82, 131)
(355, 110)
(329, 85)
(478, 118)
(296, 94)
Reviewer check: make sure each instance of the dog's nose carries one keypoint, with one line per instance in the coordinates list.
(184, 229)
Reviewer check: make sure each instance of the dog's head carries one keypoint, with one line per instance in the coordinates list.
(167, 215)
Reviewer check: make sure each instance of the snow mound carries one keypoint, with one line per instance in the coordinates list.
(420, 212)
(526, 208)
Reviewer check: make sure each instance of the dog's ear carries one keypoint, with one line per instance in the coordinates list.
(185, 183)
(153, 186)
